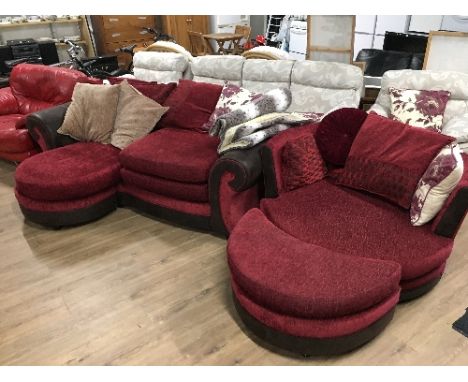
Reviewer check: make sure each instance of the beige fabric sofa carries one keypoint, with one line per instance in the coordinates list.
(316, 86)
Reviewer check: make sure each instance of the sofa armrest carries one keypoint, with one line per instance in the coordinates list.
(8, 102)
(43, 126)
(452, 214)
(234, 187)
(271, 157)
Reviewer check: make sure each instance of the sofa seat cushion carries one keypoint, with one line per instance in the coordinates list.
(315, 328)
(13, 140)
(69, 172)
(65, 205)
(178, 205)
(299, 279)
(176, 154)
(358, 224)
(196, 192)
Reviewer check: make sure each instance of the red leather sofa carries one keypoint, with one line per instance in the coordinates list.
(32, 88)
(173, 173)
(320, 269)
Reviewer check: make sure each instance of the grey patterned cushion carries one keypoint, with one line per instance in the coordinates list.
(323, 86)
(218, 69)
(263, 75)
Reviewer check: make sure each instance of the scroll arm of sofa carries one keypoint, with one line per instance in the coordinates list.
(43, 125)
(235, 186)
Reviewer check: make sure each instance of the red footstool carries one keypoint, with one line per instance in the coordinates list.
(304, 298)
(70, 185)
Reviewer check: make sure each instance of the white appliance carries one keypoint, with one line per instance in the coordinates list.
(227, 23)
(455, 23)
(298, 40)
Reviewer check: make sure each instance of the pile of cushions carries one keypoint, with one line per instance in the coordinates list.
(414, 168)
(116, 114)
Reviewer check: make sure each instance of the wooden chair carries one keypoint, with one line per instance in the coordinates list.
(240, 29)
(198, 44)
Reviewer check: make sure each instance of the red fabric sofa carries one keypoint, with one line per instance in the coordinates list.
(32, 88)
(319, 270)
(172, 173)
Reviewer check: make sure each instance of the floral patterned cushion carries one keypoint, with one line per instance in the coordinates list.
(457, 127)
(231, 98)
(419, 108)
(435, 186)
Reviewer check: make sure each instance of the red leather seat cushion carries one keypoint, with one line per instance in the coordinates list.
(358, 224)
(292, 277)
(69, 172)
(185, 191)
(13, 140)
(176, 154)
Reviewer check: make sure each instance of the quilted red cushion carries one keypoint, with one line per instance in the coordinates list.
(157, 92)
(191, 105)
(70, 172)
(336, 132)
(388, 158)
(301, 163)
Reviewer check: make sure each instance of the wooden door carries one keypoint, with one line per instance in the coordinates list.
(177, 26)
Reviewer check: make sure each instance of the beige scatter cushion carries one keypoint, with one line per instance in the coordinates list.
(91, 114)
(136, 116)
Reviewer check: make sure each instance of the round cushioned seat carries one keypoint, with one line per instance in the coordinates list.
(292, 277)
(306, 298)
(74, 171)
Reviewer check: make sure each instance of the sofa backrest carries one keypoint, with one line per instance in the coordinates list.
(159, 66)
(321, 86)
(455, 82)
(315, 86)
(217, 69)
(37, 87)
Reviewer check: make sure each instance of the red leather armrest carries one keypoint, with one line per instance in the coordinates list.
(452, 214)
(271, 157)
(8, 102)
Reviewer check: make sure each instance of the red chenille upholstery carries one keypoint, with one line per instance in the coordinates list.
(295, 278)
(32, 88)
(295, 294)
(191, 105)
(358, 224)
(157, 92)
(175, 154)
(388, 158)
(70, 172)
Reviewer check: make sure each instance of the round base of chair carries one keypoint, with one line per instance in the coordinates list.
(306, 346)
(58, 219)
(411, 294)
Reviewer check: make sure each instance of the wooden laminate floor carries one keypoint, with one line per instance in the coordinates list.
(129, 290)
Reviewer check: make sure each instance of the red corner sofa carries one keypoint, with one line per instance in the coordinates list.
(320, 269)
(32, 88)
(175, 172)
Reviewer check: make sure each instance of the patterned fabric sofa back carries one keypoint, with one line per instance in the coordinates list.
(455, 82)
(315, 86)
(160, 66)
